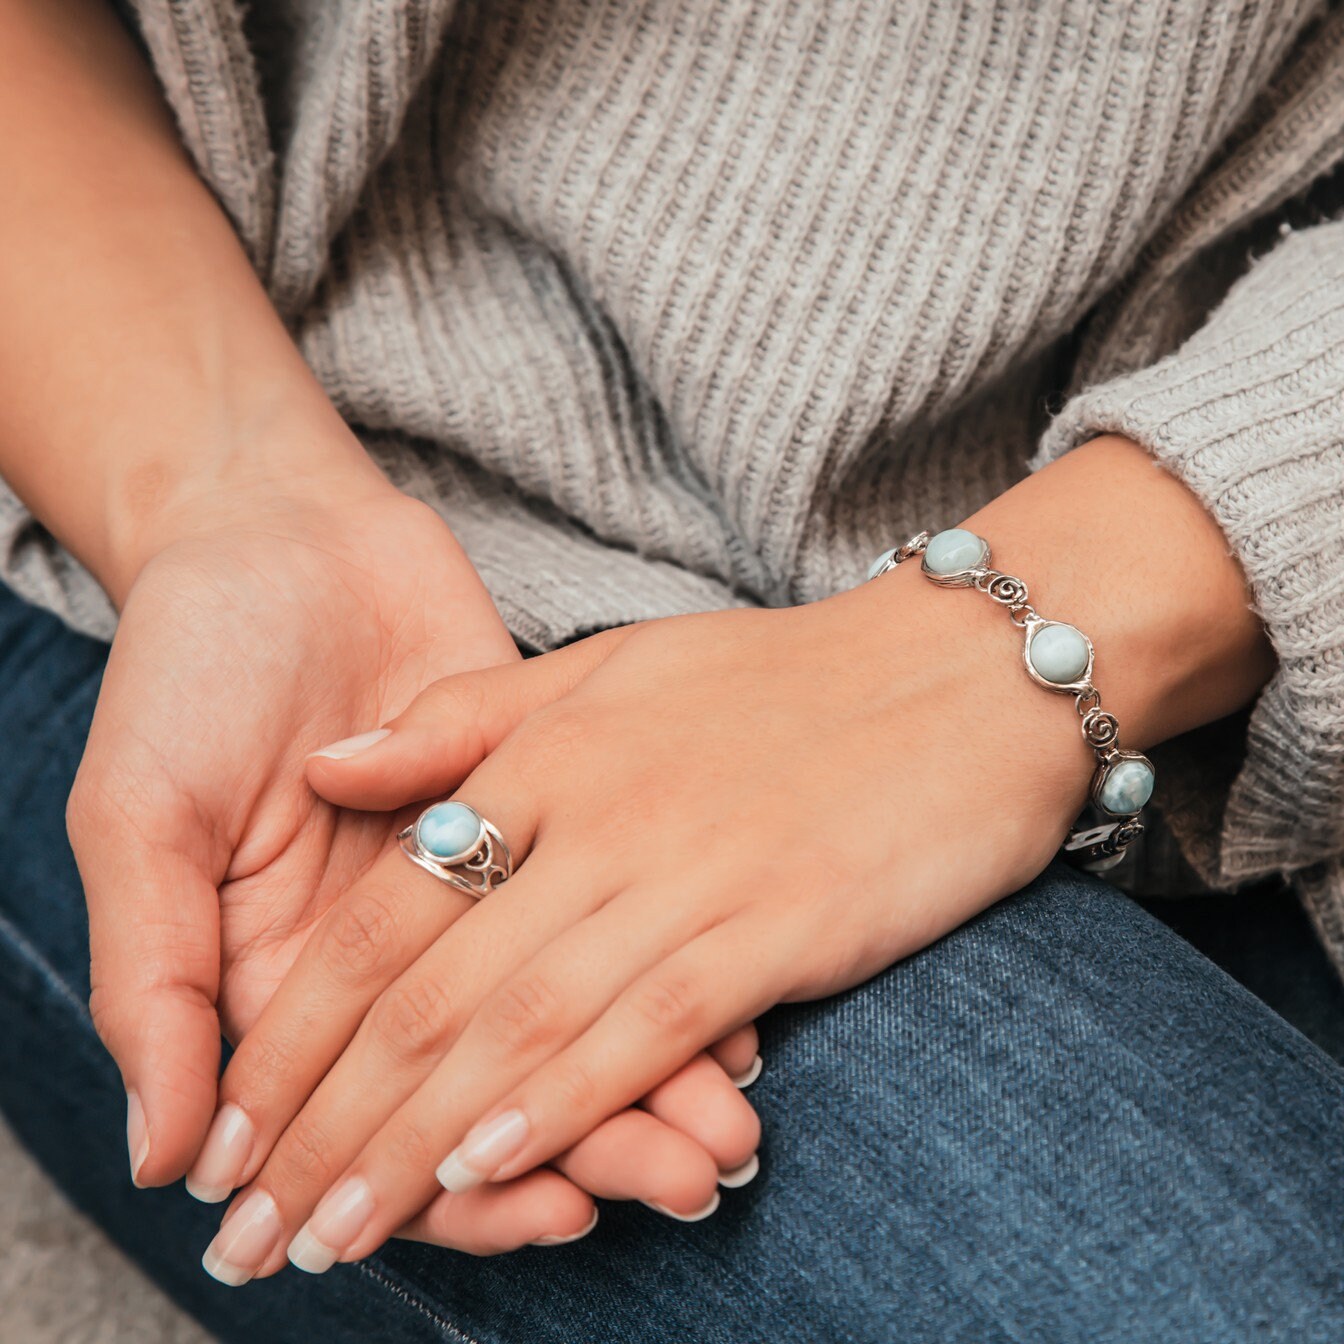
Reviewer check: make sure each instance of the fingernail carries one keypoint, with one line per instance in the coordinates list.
(687, 1217)
(244, 1240)
(137, 1135)
(485, 1149)
(740, 1176)
(336, 1223)
(751, 1075)
(564, 1241)
(217, 1170)
(352, 746)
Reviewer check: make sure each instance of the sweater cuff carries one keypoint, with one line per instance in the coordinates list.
(1249, 414)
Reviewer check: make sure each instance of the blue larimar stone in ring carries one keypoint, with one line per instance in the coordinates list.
(1058, 654)
(881, 563)
(954, 552)
(1128, 785)
(449, 831)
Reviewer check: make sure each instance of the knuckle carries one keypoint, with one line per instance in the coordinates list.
(459, 698)
(306, 1156)
(575, 1088)
(358, 933)
(453, 712)
(263, 1059)
(106, 1012)
(524, 1015)
(409, 1148)
(670, 1004)
(80, 816)
(412, 1018)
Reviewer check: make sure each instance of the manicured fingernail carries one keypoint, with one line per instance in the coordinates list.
(564, 1241)
(335, 1224)
(687, 1217)
(485, 1149)
(352, 746)
(244, 1240)
(137, 1135)
(218, 1169)
(751, 1075)
(740, 1176)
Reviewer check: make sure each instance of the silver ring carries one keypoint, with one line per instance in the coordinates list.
(457, 845)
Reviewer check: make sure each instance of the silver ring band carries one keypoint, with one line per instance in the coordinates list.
(454, 843)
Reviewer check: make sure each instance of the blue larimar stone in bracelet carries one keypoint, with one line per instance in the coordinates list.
(1059, 657)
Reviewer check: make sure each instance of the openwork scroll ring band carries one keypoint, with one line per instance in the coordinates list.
(452, 841)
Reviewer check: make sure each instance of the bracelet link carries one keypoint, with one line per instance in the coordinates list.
(1059, 657)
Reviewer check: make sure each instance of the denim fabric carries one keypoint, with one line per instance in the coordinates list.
(1061, 1123)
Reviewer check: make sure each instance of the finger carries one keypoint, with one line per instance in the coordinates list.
(634, 1155)
(401, 1039)
(726, 976)
(541, 1208)
(449, 728)
(370, 936)
(154, 969)
(700, 1101)
(738, 1055)
(546, 1002)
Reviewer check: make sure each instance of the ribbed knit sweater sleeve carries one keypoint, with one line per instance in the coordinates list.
(1249, 413)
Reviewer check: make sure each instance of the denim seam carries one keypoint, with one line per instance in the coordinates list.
(380, 1274)
(39, 963)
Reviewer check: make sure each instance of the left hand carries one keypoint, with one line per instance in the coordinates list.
(699, 838)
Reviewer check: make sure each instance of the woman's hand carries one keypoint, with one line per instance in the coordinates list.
(719, 813)
(246, 641)
(277, 592)
(265, 627)
(695, 850)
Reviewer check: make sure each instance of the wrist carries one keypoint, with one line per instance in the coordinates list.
(1111, 542)
(260, 467)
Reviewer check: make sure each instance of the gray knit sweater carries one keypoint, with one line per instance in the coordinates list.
(671, 305)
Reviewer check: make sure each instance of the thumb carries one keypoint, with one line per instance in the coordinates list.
(449, 728)
(154, 949)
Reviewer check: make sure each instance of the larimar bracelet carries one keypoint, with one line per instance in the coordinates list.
(1058, 657)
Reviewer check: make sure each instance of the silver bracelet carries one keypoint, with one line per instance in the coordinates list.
(1059, 657)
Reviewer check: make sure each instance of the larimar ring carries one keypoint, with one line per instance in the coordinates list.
(458, 846)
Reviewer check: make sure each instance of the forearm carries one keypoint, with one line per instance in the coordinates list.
(144, 368)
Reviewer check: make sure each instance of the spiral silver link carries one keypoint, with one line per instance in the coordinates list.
(1096, 845)
(1100, 729)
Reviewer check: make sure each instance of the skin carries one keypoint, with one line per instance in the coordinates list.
(274, 594)
(753, 842)
(261, 618)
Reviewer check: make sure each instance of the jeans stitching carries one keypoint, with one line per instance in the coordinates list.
(380, 1274)
(39, 963)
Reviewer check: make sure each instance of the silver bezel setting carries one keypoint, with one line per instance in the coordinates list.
(1033, 627)
(476, 870)
(462, 855)
(961, 578)
(1103, 769)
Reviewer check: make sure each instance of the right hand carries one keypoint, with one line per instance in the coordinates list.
(266, 627)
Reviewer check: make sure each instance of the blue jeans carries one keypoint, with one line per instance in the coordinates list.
(1061, 1123)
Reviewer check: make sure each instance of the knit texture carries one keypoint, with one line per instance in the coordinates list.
(670, 306)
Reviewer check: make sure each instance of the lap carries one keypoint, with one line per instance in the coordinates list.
(1059, 1123)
